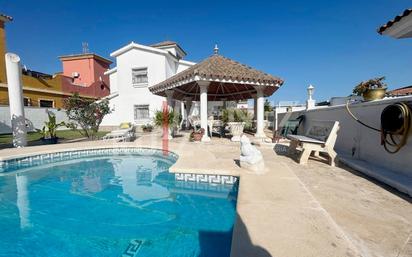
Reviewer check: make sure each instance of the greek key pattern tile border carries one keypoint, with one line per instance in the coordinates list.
(36, 160)
(206, 178)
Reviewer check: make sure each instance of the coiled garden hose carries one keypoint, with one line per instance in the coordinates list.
(395, 123)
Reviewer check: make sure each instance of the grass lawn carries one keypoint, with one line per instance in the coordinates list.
(6, 139)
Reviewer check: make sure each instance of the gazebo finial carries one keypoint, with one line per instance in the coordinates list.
(216, 49)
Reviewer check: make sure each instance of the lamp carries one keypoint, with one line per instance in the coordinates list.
(310, 103)
(310, 91)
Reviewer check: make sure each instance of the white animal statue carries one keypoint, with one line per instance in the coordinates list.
(248, 153)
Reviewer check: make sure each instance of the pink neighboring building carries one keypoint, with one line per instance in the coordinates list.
(85, 74)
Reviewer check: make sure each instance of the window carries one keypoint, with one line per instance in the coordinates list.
(46, 103)
(27, 101)
(139, 77)
(141, 112)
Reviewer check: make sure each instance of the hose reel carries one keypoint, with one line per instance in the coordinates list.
(395, 125)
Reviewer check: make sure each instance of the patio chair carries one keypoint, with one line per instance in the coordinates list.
(124, 134)
(217, 127)
(194, 122)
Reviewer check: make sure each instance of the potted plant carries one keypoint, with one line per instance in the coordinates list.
(49, 129)
(372, 89)
(236, 119)
(166, 118)
(197, 135)
(147, 128)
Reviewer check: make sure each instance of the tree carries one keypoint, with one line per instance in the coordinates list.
(86, 114)
(268, 107)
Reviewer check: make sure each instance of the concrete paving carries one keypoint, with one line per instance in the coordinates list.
(287, 209)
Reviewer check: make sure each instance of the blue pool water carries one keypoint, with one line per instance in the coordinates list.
(114, 205)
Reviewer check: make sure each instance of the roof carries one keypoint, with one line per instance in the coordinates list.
(221, 68)
(164, 43)
(110, 71)
(390, 23)
(226, 75)
(4, 17)
(35, 74)
(84, 56)
(133, 45)
(401, 91)
(168, 43)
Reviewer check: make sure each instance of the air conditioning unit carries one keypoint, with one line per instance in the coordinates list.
(75, 74)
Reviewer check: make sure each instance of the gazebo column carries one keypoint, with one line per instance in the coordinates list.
(260, 99)
(188, 101)
(178, 110)
(254, 106)
(203, 108)
(169, 97)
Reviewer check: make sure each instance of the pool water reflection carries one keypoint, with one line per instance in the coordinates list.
(116, 205)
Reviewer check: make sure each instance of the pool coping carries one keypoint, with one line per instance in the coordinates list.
(255, 204)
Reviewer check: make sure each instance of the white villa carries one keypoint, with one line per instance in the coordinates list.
(137, 68)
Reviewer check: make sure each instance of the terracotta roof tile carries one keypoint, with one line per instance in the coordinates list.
(168, 43)
(221, 68)
(164, 43)
(389, 24)
(229, 80)
(400, 91)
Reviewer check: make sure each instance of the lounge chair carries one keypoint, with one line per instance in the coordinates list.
(124, 134)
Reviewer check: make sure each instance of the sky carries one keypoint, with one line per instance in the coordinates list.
(332, 45)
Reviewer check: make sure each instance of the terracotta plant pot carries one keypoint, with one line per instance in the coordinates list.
(374, 94)
(236, 129)
(197, 136)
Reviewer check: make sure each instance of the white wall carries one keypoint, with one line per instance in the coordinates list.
(183, 65)
(159, 68)
(364, 142)
(35, 118)
(113, 83)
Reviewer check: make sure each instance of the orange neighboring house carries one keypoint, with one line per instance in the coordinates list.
(82, 73)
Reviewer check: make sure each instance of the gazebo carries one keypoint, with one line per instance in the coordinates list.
(218, 78)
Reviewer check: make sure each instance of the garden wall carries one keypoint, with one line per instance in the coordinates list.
(362, 145)
(35, 118)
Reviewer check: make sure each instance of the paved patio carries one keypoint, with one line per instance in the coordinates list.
(288, 209)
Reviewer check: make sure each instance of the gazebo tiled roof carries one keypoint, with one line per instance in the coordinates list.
(228, 79)
(390, 23)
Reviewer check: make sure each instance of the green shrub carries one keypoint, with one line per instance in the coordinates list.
(237, 115)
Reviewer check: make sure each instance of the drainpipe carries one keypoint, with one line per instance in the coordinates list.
(15, 88)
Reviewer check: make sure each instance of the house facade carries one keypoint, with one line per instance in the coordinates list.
(138, 67)
(48, 91)
(86, 73)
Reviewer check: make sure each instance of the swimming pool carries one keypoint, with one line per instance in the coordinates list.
(111, 204)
